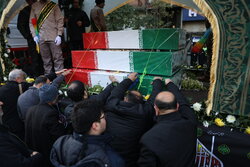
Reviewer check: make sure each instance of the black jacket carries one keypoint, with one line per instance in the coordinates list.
(9, 94)
(75, 32)
(14, 153)
(42, 128)
(70, 151)
(23, 22)
(172, 141)
(127, 122)
(101, 98)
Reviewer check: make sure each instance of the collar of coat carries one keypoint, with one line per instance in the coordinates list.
(170, 116)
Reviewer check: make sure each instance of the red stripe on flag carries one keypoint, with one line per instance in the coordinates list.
(84, 59)
(95, 40)
(79, 74)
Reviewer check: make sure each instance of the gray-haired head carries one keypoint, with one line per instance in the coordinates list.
(17, 75)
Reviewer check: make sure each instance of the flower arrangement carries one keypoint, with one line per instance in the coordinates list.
(221, 119)
(6, 64)
(192, 84)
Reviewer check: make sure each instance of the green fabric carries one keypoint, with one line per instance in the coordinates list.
(231, 94)
(156, 63)
(164, 39)
(45, 13)
(146, 86)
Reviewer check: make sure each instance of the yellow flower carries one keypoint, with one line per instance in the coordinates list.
(247, 130)
(2, 84)
(219, 122)
(147, 97)
(30, 80)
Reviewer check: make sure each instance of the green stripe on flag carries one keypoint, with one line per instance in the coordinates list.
(167, 39)
(160, 63)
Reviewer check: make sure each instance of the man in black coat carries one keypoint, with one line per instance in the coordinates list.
(13, 152)
(172, 140)
(77, 92)
(23, 27)
(42, 124)
(128, 118)
(9, 94)
(77, 22)
(87, 146)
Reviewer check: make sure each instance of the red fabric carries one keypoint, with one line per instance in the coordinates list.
(95, 40)
(84, 59)
(79, 74)
(19, 49)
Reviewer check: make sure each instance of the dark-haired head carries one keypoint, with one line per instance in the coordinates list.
(41, 80)
(88, 118)
(76, 91)
(100, 3)
(165, 102)
(133, 97)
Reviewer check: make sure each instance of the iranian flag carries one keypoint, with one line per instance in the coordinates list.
(154, 63)
(163, 39)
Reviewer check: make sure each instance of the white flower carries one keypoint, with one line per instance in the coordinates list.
(8, 50)
(205, 124)
(197, 106)
(217, 113)
(5, 78)
(60, 92)
(6, 55)
(230, 119)
(65, 93)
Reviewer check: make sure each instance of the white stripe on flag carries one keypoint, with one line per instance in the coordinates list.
(113, 60)
(124, 39)
(102, 77)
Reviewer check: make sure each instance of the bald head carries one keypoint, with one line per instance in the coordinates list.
(166, 101)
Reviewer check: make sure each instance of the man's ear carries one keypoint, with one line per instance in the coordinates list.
(126, 99)
(85, 95)
(156, 110)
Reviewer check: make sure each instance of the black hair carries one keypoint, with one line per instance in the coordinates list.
(133, 98)
(99, 1)
(41, 79)
(166, 105)
(51, 76)
(76, 92)
(84, 114)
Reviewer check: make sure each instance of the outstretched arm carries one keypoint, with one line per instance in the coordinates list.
(157, 88)
(184, 106)
(102, 96)
(118, 93)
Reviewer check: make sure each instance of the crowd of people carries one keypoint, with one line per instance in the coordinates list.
(116, 128)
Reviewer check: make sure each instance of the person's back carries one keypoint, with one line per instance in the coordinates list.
(42, 126)
(30, 97)
(172, 141)
(13, 151)
(129, 118)
(77, 92)
(9, 94)
(87, 146)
